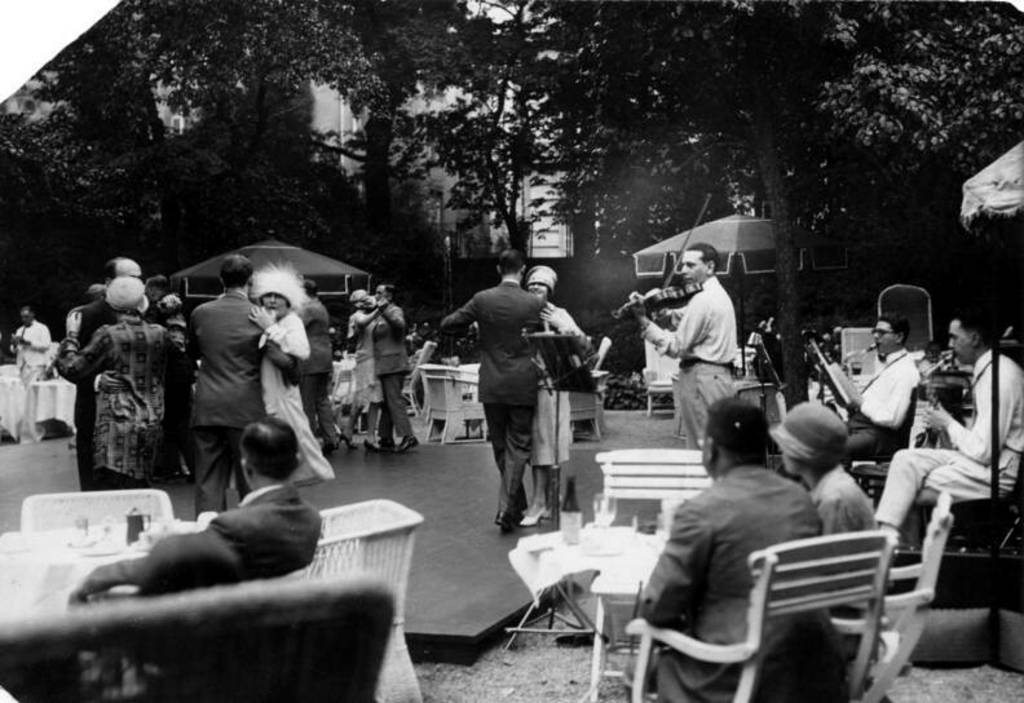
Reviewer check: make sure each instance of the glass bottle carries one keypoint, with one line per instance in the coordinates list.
(571, 517)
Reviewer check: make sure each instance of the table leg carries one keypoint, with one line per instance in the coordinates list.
(597, 658)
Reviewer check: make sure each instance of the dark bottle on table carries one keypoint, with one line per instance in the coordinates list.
(571, 517)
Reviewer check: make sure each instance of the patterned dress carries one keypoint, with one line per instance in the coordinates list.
(130, 358)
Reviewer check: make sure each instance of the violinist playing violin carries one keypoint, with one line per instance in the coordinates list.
(704, 341)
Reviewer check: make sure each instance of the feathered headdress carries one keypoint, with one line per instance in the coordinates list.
(284, 281)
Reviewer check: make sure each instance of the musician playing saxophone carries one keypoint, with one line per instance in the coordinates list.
(963, 471)
(874, 425)
(704, 341)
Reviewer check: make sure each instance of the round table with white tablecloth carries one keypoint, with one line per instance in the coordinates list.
(39, 570)
(46, 401)
(12, 405)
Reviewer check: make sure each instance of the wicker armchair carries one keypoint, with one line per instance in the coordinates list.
(57, 511)
(374, 537)
(279, 640)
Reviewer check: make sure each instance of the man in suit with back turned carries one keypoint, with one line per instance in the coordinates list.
(228, 393)
(701, 583)
(271, 533)
(508, 378)
(92, 316)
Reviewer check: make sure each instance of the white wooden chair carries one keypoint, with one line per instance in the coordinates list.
(793, 577)
(915, 304)
(374, 537)
(589, 407)
(56, 511)
(905, 613)
(414, 380)
(659, 371)
(452, 404)
(653, 474)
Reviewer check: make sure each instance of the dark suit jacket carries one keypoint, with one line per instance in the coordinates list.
(316, 319)
(274, 535)
(388, 330)
(228, 392)
(702, 583)
(507, 373)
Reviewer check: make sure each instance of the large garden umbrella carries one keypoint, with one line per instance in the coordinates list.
(745, 245)
(997, 191)
(333, 277)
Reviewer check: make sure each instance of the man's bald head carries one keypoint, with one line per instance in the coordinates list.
(121, 266)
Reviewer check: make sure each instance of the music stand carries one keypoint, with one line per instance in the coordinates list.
(563, 369)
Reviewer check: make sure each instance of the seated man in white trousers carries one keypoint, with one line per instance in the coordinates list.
(963, 471)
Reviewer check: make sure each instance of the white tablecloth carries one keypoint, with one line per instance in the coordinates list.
(23, 412)
(12, 404)
(48, 400)
(39, 570)
(623, 557)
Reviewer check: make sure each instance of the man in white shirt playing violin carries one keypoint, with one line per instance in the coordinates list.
(964, 470)
(704, 341)
(875, 424)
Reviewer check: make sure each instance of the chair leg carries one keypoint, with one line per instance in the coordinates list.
(1018, 523)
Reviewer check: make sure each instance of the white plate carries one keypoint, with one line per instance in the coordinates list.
(103, 549)
(601, 550)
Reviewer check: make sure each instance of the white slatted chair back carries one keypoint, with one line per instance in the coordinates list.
(792, 577)
(907, 613)
(653, 474)
(57, 511)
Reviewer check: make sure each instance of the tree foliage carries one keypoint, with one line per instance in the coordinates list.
(857, 121)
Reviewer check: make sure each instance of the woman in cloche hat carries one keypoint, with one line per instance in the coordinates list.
(541, 281)
(281, 296)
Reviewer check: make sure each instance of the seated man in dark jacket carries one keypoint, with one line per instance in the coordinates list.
(701, 583)
(273, 531)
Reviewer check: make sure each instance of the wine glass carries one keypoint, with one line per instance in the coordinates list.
(604, 510)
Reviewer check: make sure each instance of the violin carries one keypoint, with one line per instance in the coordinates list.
(659, 299)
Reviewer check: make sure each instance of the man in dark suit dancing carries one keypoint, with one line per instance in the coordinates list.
(92, 316)
(271, 533)
(228, 393)
(508, 378)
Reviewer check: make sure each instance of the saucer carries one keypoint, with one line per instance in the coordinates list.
(103, 549)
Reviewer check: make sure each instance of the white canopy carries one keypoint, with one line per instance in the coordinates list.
(997, 190)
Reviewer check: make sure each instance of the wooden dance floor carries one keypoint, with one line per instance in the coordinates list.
(462, 590)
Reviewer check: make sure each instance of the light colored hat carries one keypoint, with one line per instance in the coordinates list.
(281, 280)
(127, 294)
(544, 275)
(357, 296)
(813, 434)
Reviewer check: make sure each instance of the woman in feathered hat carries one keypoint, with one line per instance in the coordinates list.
(130, 358)
(541, 281)
(281, 296)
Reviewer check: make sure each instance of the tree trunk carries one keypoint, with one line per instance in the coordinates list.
(786, 265)
(376, 174)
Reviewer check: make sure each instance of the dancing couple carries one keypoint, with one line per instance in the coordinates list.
(249, 367)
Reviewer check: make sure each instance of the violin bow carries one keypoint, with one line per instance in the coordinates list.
(686, 241)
